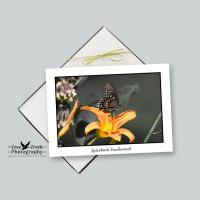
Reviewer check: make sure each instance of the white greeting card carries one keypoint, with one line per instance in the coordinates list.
(103, 110)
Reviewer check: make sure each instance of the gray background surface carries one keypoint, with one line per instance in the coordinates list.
(37, 34)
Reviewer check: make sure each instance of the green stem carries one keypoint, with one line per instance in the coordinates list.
(92, 141)
(82, 143)
(152, 128)
(112, 114)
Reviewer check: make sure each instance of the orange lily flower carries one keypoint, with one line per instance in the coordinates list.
(109, 126)
(65, 128)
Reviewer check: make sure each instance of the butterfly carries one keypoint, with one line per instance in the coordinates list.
(110, 100)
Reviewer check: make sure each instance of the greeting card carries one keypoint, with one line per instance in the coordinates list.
(105, 110)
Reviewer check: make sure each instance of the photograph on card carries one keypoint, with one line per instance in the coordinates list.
(108, 109)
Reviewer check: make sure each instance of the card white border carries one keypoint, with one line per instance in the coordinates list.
(166, 146)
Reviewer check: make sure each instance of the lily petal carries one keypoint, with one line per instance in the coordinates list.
(100, 114)
(91, 126)
(116, 136)
(126, 132)
(65, 128)
(124, 117)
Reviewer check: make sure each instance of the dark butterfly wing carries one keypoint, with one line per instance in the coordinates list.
(100, 103)
(110, 100)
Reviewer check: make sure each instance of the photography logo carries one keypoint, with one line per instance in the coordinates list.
(27, 150)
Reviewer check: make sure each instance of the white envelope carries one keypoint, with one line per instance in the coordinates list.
(34, 108)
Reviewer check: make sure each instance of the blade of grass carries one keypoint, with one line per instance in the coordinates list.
(92, 141)
(152, 128)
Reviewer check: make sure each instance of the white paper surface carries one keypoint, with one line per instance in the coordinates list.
(35, 108)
